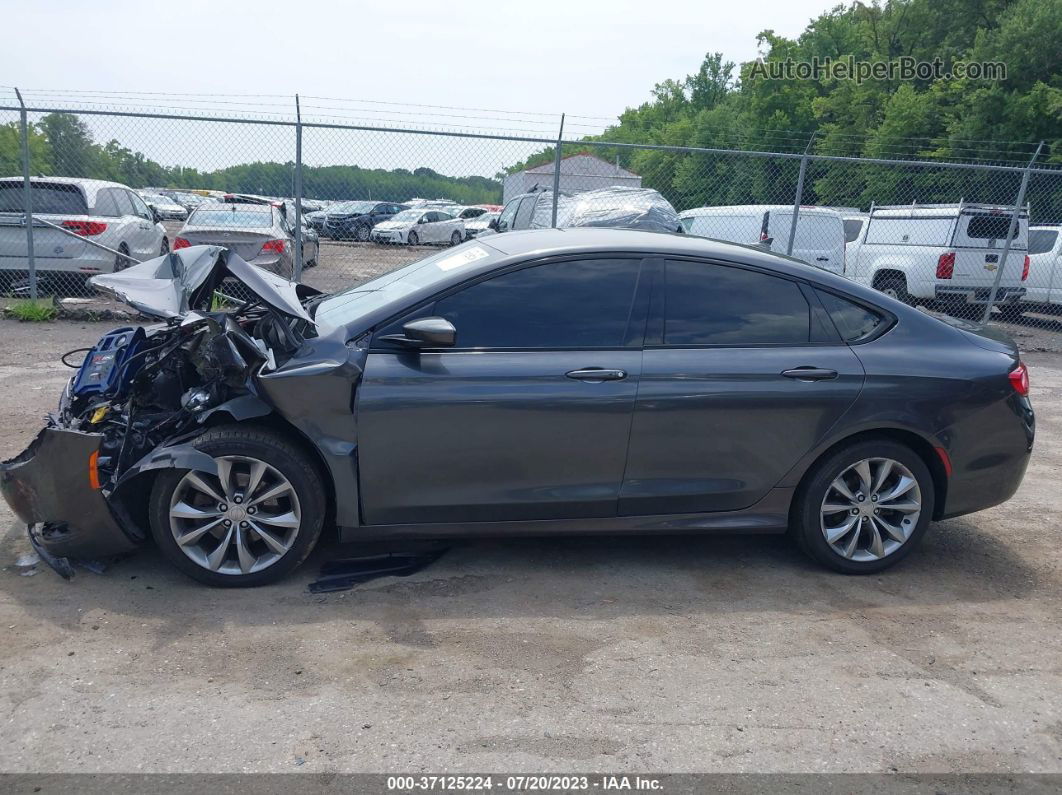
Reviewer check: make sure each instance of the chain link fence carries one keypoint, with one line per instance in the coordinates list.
(85, 190)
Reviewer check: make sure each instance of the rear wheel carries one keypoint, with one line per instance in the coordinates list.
(863, 507)
(894, 286)
(121, 259)
(412, 239)
(250, 524)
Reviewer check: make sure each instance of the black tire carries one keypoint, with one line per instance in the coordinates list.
(805, 520)
(1011, 312)
(412, 239)
(276, 451)
(456, 239)
(894, 286)
(164, 249)
(361, 233)
(122, 260)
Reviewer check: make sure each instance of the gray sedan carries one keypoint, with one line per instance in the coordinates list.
(262, 234)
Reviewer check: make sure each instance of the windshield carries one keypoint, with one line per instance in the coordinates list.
(155, 198)
(408, 215)
(241, 218)
(343, 308)
(354, 207)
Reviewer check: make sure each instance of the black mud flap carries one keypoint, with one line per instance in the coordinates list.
(49, 485)
(344, 573)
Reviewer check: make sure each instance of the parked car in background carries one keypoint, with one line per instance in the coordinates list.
(413, 227)
(260, 233)
(616, 207)
(188, 200)
(943, 252)
(355, 220)
(1043, 287)
(819, 241)
(855, 224)
(316, 220)
(164, 206)
(481, 224)
(465, 213)
(107, 213)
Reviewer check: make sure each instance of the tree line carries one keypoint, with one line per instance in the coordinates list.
(62, 145)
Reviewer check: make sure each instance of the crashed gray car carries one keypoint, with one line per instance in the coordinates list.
(553, 381)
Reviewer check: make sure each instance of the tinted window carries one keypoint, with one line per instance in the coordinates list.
(582, 304)
(854, 322)
(232, 218)
(139, 208)
(125, 204)
(106, 203)
(523, 214)
(55, 199)
(990, 227)
(505, 220)
(1042, 240)
(852, 228)
(707, 304)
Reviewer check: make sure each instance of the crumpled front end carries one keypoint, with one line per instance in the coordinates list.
(54, 488)
(142, 394)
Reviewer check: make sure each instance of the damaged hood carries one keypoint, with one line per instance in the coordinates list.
(184, 281)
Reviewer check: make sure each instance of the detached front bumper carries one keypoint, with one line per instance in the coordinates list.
(50, 484)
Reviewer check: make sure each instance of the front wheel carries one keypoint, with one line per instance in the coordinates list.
(250, 524)
(864, 507)
(164, 249)
(361, 233)
(455, 239)
(122, 259)
(412, 239)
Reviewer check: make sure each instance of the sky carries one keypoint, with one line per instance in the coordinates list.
(532, 60)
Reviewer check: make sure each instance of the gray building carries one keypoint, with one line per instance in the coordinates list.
(577, 173)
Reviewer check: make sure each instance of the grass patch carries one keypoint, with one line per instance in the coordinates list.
(29, 311)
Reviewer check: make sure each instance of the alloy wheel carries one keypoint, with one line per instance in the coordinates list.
(871, 509)
(241, 521)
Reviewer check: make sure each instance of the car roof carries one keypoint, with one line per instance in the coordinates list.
(696, 212)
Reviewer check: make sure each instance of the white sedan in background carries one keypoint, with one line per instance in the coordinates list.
(413, 227)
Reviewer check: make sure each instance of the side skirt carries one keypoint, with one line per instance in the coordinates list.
(769, 515)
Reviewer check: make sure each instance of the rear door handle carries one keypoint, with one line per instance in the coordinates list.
(596, 374)
(822, 259)
(810, 373)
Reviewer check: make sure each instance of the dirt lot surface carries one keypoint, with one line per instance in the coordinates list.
(652, 654)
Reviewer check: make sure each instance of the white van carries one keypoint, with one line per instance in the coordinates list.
(1043, 287)
(105, 212)
(945, 252)
(819, 234)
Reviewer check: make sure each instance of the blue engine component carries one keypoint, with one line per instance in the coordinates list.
(105, 363)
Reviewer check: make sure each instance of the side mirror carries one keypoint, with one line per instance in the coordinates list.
(493, 224)
(155, 217)
(426, 332)
(766, 242)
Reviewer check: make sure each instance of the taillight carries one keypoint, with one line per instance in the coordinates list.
(180, 242)
(276, 246)
(1025, 268)
(946, 265)
(1019, 379)
(85, 228)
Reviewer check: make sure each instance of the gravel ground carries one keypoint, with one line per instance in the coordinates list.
(650, 654)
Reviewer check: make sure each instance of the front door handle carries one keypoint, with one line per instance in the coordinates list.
(810, 373)
(822, 259)
(596, 374)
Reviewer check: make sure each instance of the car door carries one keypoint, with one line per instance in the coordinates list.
(743, 373)
(144, 238)
(527, 417)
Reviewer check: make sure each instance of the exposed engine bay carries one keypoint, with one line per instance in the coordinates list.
(141, 393)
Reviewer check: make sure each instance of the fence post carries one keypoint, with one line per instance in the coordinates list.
(799, 195)
(27, 197)
(298, 192)
(556, 171)
(1011, 229)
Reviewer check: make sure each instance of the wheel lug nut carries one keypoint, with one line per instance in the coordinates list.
(243, 524)
(228, 523)
(865, 518)
(251, 510)
(855, 512)
(238, 500)
(874, 498)
(860, 498)
(223, 507)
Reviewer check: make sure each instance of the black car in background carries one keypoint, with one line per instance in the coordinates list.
(354, 220)
(555, 381)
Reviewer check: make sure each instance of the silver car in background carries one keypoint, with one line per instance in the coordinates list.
(107, 213)
(164, 206)
(260, 233)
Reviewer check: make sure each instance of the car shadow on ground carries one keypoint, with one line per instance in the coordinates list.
(571, 577)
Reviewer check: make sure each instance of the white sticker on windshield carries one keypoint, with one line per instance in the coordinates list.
(466, 257)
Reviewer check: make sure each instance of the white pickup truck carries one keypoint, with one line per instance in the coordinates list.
(942, 252)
